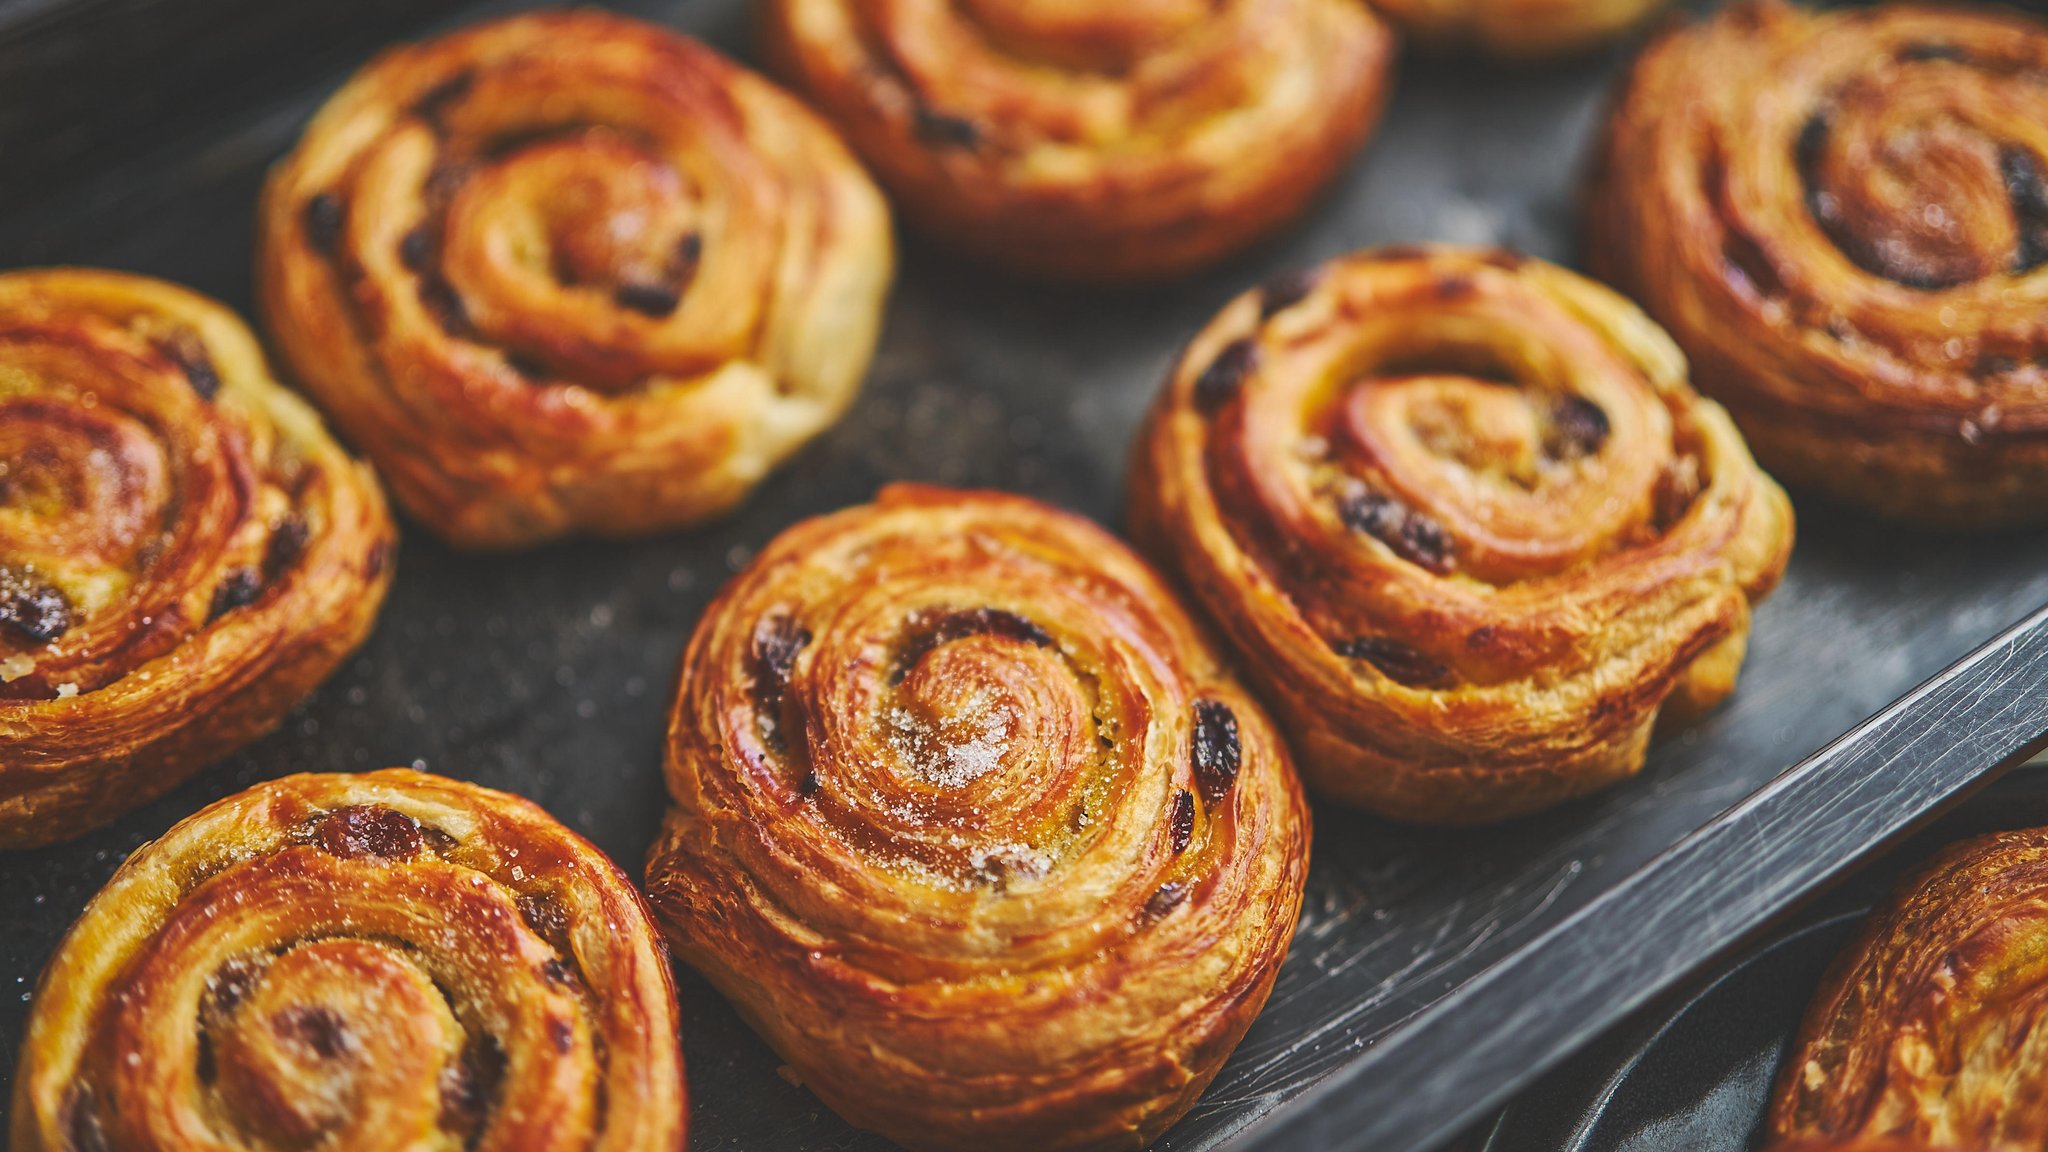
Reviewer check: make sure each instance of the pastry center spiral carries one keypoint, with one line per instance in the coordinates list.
(80, 485)
(986, 755)
(1911, 186)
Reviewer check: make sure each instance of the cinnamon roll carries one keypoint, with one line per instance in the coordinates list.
(974, 827)
(1075, 139)
(184, 552)
(569, 272)
(1517, 29)
(1842, 217)
(384, 961)
(1463, 520)
(1927, 1029)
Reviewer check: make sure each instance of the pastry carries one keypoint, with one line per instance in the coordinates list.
(1925, 1029)
(1075, 139)
(570, 272)
(1464, 522)
(1842, 217)
(384, 961)
(1517, 29)
(184, 551)
(974, 828)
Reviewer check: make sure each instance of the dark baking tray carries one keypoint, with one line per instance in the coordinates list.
(549, 673)
(1695, 1070)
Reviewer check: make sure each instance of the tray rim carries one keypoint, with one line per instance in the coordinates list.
(1603, 962)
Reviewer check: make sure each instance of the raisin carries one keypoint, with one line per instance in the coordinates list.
(648, 298)
(1165, 900)
(1400, 663)
(188, 352)
(325, 214)
(1221, 381)
(365, 830)
(1217, 754)
(546, 916)
(929, 632)
(777, 642)
(320, 1029)
(1410, 534)
(229, 984)
(241, 587)
(442, 302)
(2026, 185)
(940, 130)
(417, 249)
(31, 609)
(287, 544)
(562, 1034)
(1578, 428)
(468, 1085)
(1182, 820)
(83, 1131)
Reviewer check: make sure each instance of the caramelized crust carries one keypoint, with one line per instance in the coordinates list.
(1842, 217)
(184, 551)
(1094, 141)
(569, 272)
(1518, 29)
(1464, 522)
(973, 826)
(384, 961)
(1927, 1028)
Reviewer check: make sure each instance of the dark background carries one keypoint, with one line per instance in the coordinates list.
(134, 134)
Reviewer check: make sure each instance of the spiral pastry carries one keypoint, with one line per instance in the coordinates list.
(1928, 1028)
(1843, 219)
(571, 272)
(184, 552)
(974, 827)
(384, 961)
(1094, 141)
(1463, 520)
(1517, 29)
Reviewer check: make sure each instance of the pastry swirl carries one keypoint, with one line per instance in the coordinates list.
(1075, 139)
(973, 826)
(1464, 522)
(184, 551)
(1927, 1028)
(1842, 217)
(569, 272)
(383, 961)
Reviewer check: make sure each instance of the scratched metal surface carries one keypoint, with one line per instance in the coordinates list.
(548, 673)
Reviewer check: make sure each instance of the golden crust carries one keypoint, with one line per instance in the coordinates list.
(1518, 29)
(570, 272)
(1104, 142)
(1463, 521)
(381, 961)
(1841, 217)
(184, 551)
(1926, 1028)
(973, 826)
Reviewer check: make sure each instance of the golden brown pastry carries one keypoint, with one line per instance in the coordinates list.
(1517, 29)
(184, 551)
(384, 961)
(1928, 1028)
(1842, 217)
(974, 828)
(1095, 141)
(1463, 520)
(571, 272)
